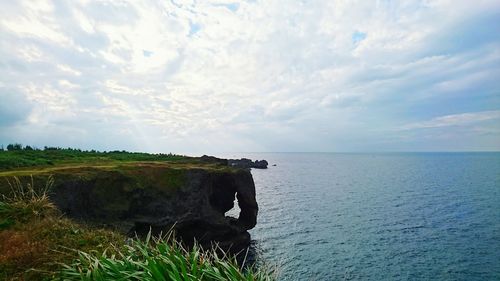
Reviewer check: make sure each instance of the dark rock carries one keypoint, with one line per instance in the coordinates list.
(247, 163)
(213, 159)
(193, 202)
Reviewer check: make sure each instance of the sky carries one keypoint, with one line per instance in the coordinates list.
(239, 76)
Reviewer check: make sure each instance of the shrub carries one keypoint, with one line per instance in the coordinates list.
(26, 202)
(15, 146)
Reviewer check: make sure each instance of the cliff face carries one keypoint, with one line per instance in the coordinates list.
(137, 198)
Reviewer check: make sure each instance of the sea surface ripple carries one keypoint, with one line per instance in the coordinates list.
(393, 216)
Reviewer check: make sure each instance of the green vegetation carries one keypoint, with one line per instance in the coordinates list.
(159, 259)
(114, 180)
(17, 156)
(35, 238)
(38, 243)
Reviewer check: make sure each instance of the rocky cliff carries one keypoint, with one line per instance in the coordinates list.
(243, 163)
(134, 198)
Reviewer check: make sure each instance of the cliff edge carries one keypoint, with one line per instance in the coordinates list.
(138, 197)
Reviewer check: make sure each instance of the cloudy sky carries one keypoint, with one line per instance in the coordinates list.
(220, 76)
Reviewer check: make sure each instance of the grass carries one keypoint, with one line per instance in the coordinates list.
(35, 238)
(114, 182)
(38, 243)
(21, 158)
(160, 259)
(22, 162)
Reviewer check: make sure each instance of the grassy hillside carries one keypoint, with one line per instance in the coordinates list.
(35, 238)
(18, 156)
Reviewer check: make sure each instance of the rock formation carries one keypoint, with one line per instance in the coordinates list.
(134, 199)
(247, 163)
(243, 163)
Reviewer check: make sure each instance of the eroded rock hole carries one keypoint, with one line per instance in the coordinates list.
(235, 211)
(223, 196)
(231, 196)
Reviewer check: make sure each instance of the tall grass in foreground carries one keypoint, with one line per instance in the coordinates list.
(35, 237)
(25, 202)
(158, 259)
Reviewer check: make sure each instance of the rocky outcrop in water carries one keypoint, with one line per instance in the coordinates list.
(135, 199)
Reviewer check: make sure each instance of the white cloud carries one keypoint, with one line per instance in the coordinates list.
(36, 22)
(68, 69)
(85, 23)
(271, 75)
(455, 120)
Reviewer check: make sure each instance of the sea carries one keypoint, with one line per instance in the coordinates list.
(378, 216)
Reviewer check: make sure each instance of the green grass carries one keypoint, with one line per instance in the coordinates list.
(35, 239)
(20, 158)
(115, 179)
(38, 243)
(25, 202)
(160, 259)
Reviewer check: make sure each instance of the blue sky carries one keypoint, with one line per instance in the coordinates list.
(220, 76)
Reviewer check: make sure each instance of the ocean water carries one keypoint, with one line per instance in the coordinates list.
(394, 216)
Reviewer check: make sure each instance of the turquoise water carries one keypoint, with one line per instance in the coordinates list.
(413, 216)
